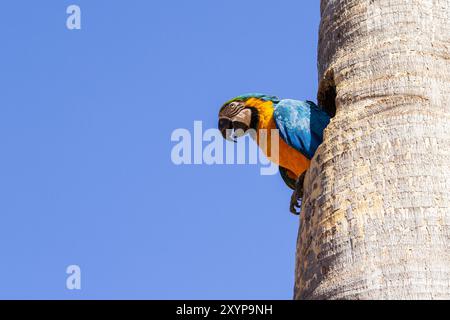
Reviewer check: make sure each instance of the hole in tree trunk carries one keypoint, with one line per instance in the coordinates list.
(327, 94)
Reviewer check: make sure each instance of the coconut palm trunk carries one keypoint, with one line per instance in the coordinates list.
(375, 221)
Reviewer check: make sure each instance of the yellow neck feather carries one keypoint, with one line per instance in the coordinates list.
(265, 112)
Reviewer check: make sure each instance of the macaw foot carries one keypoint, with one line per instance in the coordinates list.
(297, 195)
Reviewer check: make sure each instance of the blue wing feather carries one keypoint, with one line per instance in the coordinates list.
(301, 125)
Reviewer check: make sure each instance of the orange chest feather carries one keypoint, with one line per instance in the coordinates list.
(288, 157)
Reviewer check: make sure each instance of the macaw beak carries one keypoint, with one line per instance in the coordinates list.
(236, 127)
(226, 129)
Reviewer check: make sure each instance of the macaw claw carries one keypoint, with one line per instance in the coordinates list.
(296, 198)
(295, 206)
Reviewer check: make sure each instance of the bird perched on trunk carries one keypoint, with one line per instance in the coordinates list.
(300, 126)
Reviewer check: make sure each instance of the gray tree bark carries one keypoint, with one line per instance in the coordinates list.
(375, 221)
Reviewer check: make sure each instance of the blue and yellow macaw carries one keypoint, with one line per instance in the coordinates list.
(300, 125)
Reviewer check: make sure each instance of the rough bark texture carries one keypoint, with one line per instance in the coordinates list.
(375, 222)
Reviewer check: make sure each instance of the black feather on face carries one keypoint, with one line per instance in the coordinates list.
(235, 119)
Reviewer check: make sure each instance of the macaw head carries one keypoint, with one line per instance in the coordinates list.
(240, 114)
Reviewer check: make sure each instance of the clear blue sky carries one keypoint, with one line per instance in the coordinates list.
(85, 171)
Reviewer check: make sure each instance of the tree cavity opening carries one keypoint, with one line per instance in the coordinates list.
(327, 93)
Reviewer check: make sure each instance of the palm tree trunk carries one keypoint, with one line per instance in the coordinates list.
(375, 222)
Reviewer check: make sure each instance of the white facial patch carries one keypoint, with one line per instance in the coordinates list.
(245, 116)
